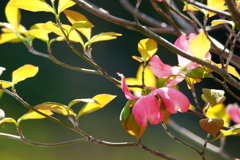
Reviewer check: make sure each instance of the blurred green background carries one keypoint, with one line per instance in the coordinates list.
(56, 84)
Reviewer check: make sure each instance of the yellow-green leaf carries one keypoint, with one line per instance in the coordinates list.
(64, 4)
(32, 5)
(13, 16)
(200, 45)
(234, 131)
(105, 36)
(24, 72)
(9, 37)
(102, 99)
(55, 107)
(147, 48)
(87, 100)
(211, 126)
(8, 120)
(81, 24)
(132, 127)
(73, 17)
(5, 84)
(218, 111)
(213, 96)
(34, 115)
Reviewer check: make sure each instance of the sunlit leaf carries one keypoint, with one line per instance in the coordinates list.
(139, 59)
(13, 16)
(211, 126)
(214, 96)
(125, 112)
(102, 99)
(55, 107)
(200, 46)
(2, 114)
(81, 24)
(147, 48)
(24, 72)
(189, 7)
(105, 36)
(9, 37)
(222, 21)
(32, 5)
(218, 111)
(64, 4)
(5, 84)
(8, 120)
(34, 115)
(235, 131)
(87, 100)
(217, 4)
(149, 79)
(74, 36)
(198, 72)
(230, 70)
(73, 17)
(39, 32)
(133, 128)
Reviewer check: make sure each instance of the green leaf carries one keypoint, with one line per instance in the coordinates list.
(198, 72)
(64, 4)
(24, 72)
(132, 127)
(102, 99)
(87, 100)
(125, 112)
(147, 48)
(104, 37)
(213, 96)
(200, 45)
(31, 5)
(235, 131)
(211, 126)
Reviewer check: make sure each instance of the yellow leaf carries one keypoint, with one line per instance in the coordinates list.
(34, 115)
(234, 131)
(73, 17)
(221, 21)
(230, 70)
(55, 107)
(24, 72)
(5, 84)
(200, 45)
(75, 101)
(217, 4)
(32, 5)
(39, 32)
(13, 16)
(149, 79)
(64, 4)
(105, 36)
(147, 48)
(102, 99)
(218, 111)
(189, 7)
(8, 120)
(9, 37)
(74, 36)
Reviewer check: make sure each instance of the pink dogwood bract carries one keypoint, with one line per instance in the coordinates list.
(147, 107)
(162, 70)
(234, 111)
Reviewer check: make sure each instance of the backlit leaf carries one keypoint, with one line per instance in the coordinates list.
(200, 46)
(211, 126)
(147, 48)
(73, 17)
(217, 4)
(198, 72)
(222, 21)
(189, 7)
(230, 70)
(87, 100)
(234, 131)
(105, 36)
(55, 107)
(5, 84)
(81, 24)
(24, 72)
(8, 120)
(32, 5)
(9, 37)
(34, 115)
(64, 4)
(218, 111)
(125, 112)
(102, 99)
(13, 16)
(39, 32)
(214, 96)
(139, 59)
(133, 128)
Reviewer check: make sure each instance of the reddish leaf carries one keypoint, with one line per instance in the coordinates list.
(211, 126)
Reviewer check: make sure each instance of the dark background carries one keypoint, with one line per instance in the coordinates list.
(56, 84)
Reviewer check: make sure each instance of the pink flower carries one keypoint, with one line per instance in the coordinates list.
(162, 70)
(147, 107)
(234, 111)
